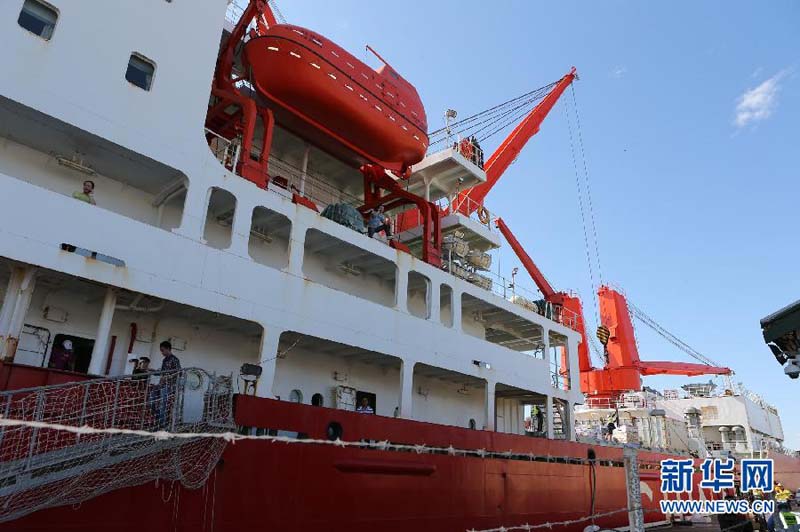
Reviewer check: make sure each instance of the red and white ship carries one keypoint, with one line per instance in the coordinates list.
(229, 188)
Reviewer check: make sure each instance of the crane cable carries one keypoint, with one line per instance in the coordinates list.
(586, 184)
(508, 112)
(671, 338)
(582, 209)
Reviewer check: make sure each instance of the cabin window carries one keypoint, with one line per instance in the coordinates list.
(317, 400)
(418, 295)
(39, 18)
(218, 232)
(140, 71)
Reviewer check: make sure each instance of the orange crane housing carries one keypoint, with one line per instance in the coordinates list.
(623, 369)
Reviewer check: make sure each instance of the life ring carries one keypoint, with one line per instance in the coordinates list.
(483, 215)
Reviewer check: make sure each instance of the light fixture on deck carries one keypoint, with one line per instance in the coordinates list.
(482, 364)
(349, 269)
(261, 234)
(463, 390)
(76, 164)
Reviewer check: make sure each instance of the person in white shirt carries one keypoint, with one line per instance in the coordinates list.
(364, 407)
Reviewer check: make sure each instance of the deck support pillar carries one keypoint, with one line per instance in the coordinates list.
(407, 389)
(455, 306)
(193, 221)
(240, 228)
(297, 245)
(490, 407)
(434, 302)
(15, 308)
(401, 289)
(97, 366)
(268, 361)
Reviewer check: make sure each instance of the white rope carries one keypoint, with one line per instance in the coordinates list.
(529, 527)
(232, 437)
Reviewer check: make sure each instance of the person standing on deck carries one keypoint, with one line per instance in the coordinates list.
(379, 222)
(62, 357)
(87, 194)
(539, 415)
(166, 389)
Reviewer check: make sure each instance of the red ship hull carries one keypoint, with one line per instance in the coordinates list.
(325, 92)
(276, 486)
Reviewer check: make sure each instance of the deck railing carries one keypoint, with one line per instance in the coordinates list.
(42, 467)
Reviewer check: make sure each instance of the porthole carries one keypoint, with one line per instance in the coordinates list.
(335, 431)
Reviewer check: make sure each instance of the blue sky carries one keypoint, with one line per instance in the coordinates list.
(689, 114)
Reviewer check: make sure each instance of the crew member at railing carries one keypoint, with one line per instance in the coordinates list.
(87, 194)
(379, 222)
(478, 157)
(364, 407)
(168, 384)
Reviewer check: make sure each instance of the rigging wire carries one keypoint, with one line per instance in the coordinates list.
(586, 183)
(507, 117)
(534, 94)
(596, 303)
(487, 122)
(671, 338)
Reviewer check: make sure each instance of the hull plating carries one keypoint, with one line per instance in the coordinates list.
(278, 486)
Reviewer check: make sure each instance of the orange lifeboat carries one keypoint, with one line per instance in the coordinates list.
(328, 93)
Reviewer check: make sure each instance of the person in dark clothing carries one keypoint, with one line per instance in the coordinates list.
(379, 222)
(170, 361)
(62, 357)
(167, 387)
(539, 413)
(739, 521)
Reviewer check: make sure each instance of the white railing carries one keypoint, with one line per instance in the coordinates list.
(287, 180)
(40, 468)
(631, 400)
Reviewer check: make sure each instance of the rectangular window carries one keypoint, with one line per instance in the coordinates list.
(140, 71)
(39, 18)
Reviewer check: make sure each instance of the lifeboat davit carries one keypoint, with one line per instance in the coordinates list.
(375, 113)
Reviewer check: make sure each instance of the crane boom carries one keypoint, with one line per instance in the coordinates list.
(681, 368)
(535, 273)
(505, 154)
(570, 303)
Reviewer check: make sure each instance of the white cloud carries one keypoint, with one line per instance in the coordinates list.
(757, 104)
(619, 71)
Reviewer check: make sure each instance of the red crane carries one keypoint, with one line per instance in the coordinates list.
(470, 200)
(505, 154)
(623, 370)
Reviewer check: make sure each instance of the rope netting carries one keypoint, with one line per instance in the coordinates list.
(42, 467)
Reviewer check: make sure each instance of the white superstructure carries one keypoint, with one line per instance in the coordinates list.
(180, 248)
